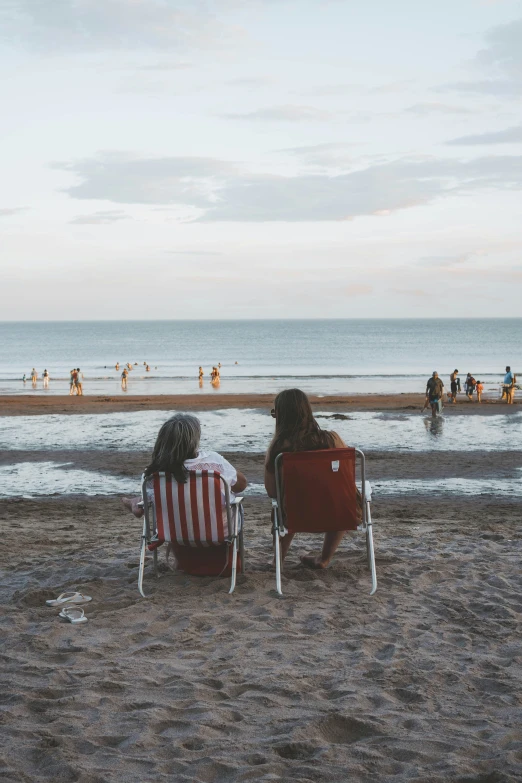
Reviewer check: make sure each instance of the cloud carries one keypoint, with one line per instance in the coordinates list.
(325, 155)
(329, 89)
(434, 107)
(8, 211)
(194, 252)
(502, 59)
(357, 290)
(416, 292)
(99, 218)
(286, 113)
(223, 192)
(507, 136)
(253, 81)
(446, 261)
(165, 66)
(98, 25)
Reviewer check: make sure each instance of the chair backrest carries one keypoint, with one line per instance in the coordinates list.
(319, 490)
(190, 514)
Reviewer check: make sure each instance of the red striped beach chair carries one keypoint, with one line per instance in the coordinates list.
(199, 514)
(317, 493)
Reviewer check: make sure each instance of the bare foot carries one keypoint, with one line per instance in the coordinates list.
(132, 505)
(313, 562)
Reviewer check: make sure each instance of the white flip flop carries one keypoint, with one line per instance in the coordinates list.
(69, 598)
(74, 614)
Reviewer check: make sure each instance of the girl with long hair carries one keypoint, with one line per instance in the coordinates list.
(297, 430)
(177, 451)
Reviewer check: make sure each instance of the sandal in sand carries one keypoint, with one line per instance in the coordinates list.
(73, 614)
(69, 598)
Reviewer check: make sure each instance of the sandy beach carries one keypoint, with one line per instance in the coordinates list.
(420, 682)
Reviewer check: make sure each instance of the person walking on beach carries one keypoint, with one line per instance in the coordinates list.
(124, 379)
(470, 386)
(508, 387)
(72, 382)
(434, 393)
(79, 382)
(454, 386)
(480, 389)
(45, 379)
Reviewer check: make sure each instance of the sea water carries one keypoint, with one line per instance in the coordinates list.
(319, 356)
(250, 430)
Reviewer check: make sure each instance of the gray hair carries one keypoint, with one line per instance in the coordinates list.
(178, 440)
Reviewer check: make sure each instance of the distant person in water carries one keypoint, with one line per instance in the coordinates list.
(124, 379)
(434, 393)
(117, 367)
(24, 378)
(79, 382)
(454, 385)
(45, 379)
(480, 388)
(201, 373)
(508, 386)
(34, 376)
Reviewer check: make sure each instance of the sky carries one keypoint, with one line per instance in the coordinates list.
(260, 159)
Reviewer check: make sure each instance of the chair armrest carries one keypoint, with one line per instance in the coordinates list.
(274, 503)
(236, 501)
(367, 491)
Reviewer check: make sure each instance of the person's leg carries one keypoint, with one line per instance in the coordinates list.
(330, 544)
(433, 410)
(132, 505)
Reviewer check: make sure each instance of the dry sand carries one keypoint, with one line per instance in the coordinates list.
(420, 683)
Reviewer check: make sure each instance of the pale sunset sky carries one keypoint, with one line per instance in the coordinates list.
(260, 158)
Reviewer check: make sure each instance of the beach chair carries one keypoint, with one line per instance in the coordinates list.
(316, 493)
(192, 515)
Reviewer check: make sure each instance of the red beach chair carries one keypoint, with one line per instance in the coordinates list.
(193, 515)
(316, 493)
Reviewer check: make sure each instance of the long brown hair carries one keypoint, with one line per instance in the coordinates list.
(178, 440)
(296, 428)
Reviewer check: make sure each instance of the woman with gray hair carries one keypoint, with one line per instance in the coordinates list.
(177, 452)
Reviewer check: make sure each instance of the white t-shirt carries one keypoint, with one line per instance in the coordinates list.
(208, 460)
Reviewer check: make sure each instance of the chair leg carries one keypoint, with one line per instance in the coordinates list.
(142, 559)
(234, 552)
(277, 547)
(155, 557)
(242, 550)
(370, 551)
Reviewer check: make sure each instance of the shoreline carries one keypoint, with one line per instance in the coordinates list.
(40, 404)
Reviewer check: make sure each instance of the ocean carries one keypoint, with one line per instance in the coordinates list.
(320, 356)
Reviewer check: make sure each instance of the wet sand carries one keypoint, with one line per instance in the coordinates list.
(38, 404)
(421, 682)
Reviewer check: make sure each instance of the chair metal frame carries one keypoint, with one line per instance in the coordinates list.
(366, 526)
(235, 518)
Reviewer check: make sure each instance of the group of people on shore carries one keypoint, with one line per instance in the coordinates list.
(127, 369)
(76, 382)
(34, 378)
(435, 389)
